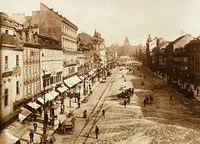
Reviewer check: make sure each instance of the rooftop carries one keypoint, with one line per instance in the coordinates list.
(66, 20)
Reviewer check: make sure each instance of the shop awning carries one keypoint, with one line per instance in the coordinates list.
(33, 105)
(62, 89)
(41, 100)
(54, 94)
(68, 83)
(23, 114)
(72, 80)
(8, 138)
(77, 79)
(49, 97)
(91, 72)
(17, 129)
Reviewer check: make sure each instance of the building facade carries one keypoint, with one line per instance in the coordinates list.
(179, 43)
(193, 52)
(51, 63)
(11, 54)
(31, 61)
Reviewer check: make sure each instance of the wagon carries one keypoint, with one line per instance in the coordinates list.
(125, 92)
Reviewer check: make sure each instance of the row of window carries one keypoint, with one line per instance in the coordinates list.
(195, 68)
(53, 79)
(68, 44)
(7, 61)
(32, 88)
(51, 53)
(181, 59)
(30, 69)
(194, 48)
(69, 31)
(194, 58)
(30, 54)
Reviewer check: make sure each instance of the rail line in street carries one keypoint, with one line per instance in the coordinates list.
(93, 118)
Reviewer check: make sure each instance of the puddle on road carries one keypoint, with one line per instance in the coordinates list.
(141, 90)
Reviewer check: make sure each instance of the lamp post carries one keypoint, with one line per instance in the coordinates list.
(44, 77)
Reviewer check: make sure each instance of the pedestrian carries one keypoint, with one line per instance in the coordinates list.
(144, 102)
(125, 102)
(79, 104)
(197, 91)
(60, 126)
(147, 99)
(103, 113)
(35, 127)
(61, 109)
(151, 99)
(84, 113)
(31, 135)
(96, 131)
(73, 121)
(170, 97)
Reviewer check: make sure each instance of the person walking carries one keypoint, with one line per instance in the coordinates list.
(96, 131)
(31, 135)
(147, 99)
(35, 127)
(61, 110)
(79, 104)
(170, 97)
(144, 102)
(197, 91)
(151, 98)
(103, 113)
(125, 102)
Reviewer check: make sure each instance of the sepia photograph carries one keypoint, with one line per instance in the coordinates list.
(99, 72)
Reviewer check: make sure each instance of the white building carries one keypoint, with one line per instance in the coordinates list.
(51, 62)
(11, 54)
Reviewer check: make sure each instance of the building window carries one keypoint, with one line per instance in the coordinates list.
(6, 31)
(17, 87)
(17, 60)
(6, 97)
(6, 62)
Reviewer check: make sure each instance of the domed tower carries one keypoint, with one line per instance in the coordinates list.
(126, 42)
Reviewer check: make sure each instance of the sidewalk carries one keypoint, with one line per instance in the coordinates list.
(60, 117)
(194, 91)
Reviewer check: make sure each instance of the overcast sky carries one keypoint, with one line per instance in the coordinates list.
(116, 19)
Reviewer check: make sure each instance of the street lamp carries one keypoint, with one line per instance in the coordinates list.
(44, 77)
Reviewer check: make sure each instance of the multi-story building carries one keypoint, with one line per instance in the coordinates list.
(181, 66)
(85, 45)
(97, 44)
(111, 55)
(170, 49)
(54, 25)
(11, 55)
(193, 52)
(31, 61)
(51, 63)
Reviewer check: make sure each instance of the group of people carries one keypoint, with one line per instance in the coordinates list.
(148, 100)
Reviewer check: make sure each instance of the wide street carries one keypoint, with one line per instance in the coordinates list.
(163, 121)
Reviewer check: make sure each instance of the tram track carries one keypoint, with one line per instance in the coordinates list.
(94, 115)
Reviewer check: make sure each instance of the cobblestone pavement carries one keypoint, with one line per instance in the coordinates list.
(163, 121)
